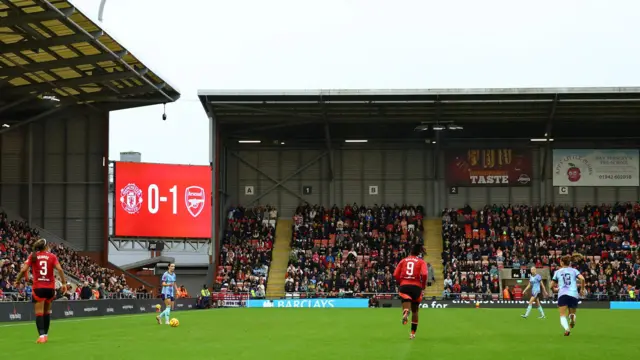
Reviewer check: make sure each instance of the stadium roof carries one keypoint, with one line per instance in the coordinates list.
(392, 115)
(52, 56)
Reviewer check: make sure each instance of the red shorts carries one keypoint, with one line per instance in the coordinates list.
(46, 295)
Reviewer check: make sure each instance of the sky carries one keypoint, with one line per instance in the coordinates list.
(353, 44)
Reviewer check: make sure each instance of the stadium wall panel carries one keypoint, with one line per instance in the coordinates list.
(402, 173)
(51, 174)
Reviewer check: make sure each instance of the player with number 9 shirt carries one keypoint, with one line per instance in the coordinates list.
(42, 264)
(411, 276)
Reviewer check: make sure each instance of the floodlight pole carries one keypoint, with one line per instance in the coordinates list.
(548, 136)
(101, 9)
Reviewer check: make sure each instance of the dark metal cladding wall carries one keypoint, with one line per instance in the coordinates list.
(403, 174)
(67, 179)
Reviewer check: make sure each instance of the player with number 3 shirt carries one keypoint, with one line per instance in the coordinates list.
(411, 276)
(42, 264)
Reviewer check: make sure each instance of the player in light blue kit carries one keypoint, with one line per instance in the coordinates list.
(169, 290)
(535, 284)
(566, 279)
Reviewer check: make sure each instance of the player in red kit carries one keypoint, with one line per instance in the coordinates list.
(42, 264)
(411, 276)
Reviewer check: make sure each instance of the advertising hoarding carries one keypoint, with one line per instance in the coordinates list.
(488, 167)
(595, 167)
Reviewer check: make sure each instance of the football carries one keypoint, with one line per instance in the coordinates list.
(174, 322)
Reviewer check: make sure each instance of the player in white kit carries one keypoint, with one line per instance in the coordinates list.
(566, 279)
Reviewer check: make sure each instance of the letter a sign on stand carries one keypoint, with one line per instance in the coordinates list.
(248, 190)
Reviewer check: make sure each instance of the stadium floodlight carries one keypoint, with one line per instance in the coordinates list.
(541, 140)
(6, 125)
(356, 141)
(454, 127)
(438, 127)
(249, 141)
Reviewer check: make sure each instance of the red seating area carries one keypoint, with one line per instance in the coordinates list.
(350, 250)
(477, 243)
(16, 239)
(245, 254)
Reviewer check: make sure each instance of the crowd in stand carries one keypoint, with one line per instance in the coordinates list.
(245, 254)
(478, 243)
(351, 250)
(16, 239)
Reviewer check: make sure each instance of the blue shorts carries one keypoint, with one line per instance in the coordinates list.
(568, 301)
(165, 297)
(537, 296)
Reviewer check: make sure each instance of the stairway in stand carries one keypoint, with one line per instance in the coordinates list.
(433, 244)
(280, 258)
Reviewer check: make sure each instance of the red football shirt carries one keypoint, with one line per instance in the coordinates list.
(42, 270)
(411, 271)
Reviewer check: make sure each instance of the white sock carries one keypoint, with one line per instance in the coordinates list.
(541, 311)
(564, 323)
(528, 310)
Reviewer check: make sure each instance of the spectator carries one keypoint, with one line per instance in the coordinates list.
(16, 239)
(182, 292)
(85, 292)
(245, 255)
(483, 241)
(349, 251)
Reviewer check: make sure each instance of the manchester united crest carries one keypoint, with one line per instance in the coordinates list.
(131, 198)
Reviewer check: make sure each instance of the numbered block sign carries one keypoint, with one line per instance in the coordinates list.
(161, 200)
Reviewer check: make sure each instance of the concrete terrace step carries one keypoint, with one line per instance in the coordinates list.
(280, 258)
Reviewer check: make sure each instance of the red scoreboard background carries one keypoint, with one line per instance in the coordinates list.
(161, 200)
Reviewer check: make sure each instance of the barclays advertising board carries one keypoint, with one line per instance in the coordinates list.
(310, 303)
(625, 305)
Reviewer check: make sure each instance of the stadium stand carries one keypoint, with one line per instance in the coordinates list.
(15, 247)
(477, 243)
(246, 251)
(350, 251)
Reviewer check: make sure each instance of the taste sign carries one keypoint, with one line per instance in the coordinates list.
(489, 167)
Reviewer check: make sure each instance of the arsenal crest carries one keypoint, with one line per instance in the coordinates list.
(131, 198)
(194, 200)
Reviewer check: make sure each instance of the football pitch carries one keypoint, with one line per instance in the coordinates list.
(255, 334)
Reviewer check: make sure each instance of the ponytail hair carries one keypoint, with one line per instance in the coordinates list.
(39, 245)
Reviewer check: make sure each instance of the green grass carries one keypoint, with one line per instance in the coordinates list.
(309, 334)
